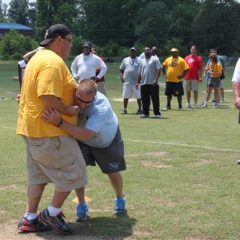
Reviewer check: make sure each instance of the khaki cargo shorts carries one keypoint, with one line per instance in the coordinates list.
(56, 159)
(191, 85)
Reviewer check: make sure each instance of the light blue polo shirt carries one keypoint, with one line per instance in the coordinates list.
(102, 120)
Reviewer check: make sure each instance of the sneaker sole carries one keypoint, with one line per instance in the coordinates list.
(82, 219)
(121, 212)
(42, 220)
(29, 229)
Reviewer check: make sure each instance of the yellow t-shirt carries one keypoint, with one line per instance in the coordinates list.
(45, 74)
(215, 70)
(175, 67)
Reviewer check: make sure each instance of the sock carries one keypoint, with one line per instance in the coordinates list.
(30, 216)
(53, 212)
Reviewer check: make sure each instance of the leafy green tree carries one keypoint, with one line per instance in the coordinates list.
(32, 14)
(18, 11)
(50, 12)
(77, 45)
(217, 25)
(14, 45)
(3, 12)
(109, 21)
(152, 19)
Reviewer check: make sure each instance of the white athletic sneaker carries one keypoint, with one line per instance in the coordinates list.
(194, 105)
(205, 105)
(188, 105)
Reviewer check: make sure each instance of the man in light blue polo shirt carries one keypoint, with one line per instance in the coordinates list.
(99, 139)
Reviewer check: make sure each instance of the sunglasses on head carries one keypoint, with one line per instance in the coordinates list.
(83, 101)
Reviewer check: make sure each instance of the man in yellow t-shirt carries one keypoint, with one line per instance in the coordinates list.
(174, 70)
(52, 155)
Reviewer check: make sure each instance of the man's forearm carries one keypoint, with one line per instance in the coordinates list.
(55, 103)
(164, 70)
(184, 73)
(102, 72)
(75, 131)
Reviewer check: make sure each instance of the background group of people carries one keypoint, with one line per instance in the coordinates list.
(140, 77)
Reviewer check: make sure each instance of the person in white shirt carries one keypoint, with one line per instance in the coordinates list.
(84, 66)
(236, 85)
(128, 76)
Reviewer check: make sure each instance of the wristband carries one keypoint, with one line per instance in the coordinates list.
(59, 123)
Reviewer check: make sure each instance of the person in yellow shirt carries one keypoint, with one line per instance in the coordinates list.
(174, 70)
(52, 155)
(215, 70)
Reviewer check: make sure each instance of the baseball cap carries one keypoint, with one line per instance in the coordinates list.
(53, 32)
(133, 49)
(174, 50)
(87, 45)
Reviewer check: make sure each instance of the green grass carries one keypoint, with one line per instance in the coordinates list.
(182, 180)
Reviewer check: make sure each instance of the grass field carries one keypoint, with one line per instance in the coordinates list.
(182, 180)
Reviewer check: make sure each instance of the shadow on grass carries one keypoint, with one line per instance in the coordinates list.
(115, 227)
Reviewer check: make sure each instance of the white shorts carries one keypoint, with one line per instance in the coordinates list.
(191, 85)
(222, 83)
(130, 91)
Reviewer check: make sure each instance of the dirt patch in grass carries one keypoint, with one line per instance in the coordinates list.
(201, 238)
(143, 232)
(202, 162)
(12, 187)
(154, 154)
(154, 164)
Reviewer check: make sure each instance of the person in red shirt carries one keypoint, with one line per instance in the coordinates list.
(193, 78)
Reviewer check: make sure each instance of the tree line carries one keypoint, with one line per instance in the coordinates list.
(115, 25)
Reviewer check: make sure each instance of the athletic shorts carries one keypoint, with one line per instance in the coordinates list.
(110, 159)
(191, 85)
(56, 159)
(175, 89)
(130, 91)
(214, 82)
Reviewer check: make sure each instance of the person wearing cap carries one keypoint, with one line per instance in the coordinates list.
(52, 155)
(99, 139)
(85, 65)
(148, 76)
(128, 76)
(193, 76)
(174, 69)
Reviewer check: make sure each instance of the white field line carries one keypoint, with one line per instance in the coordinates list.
(11, 128)
(185, 145)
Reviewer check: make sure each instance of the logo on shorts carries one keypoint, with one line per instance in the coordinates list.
(114, 166)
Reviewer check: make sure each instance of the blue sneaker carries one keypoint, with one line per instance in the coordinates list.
(82, 212)
(120, 205)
